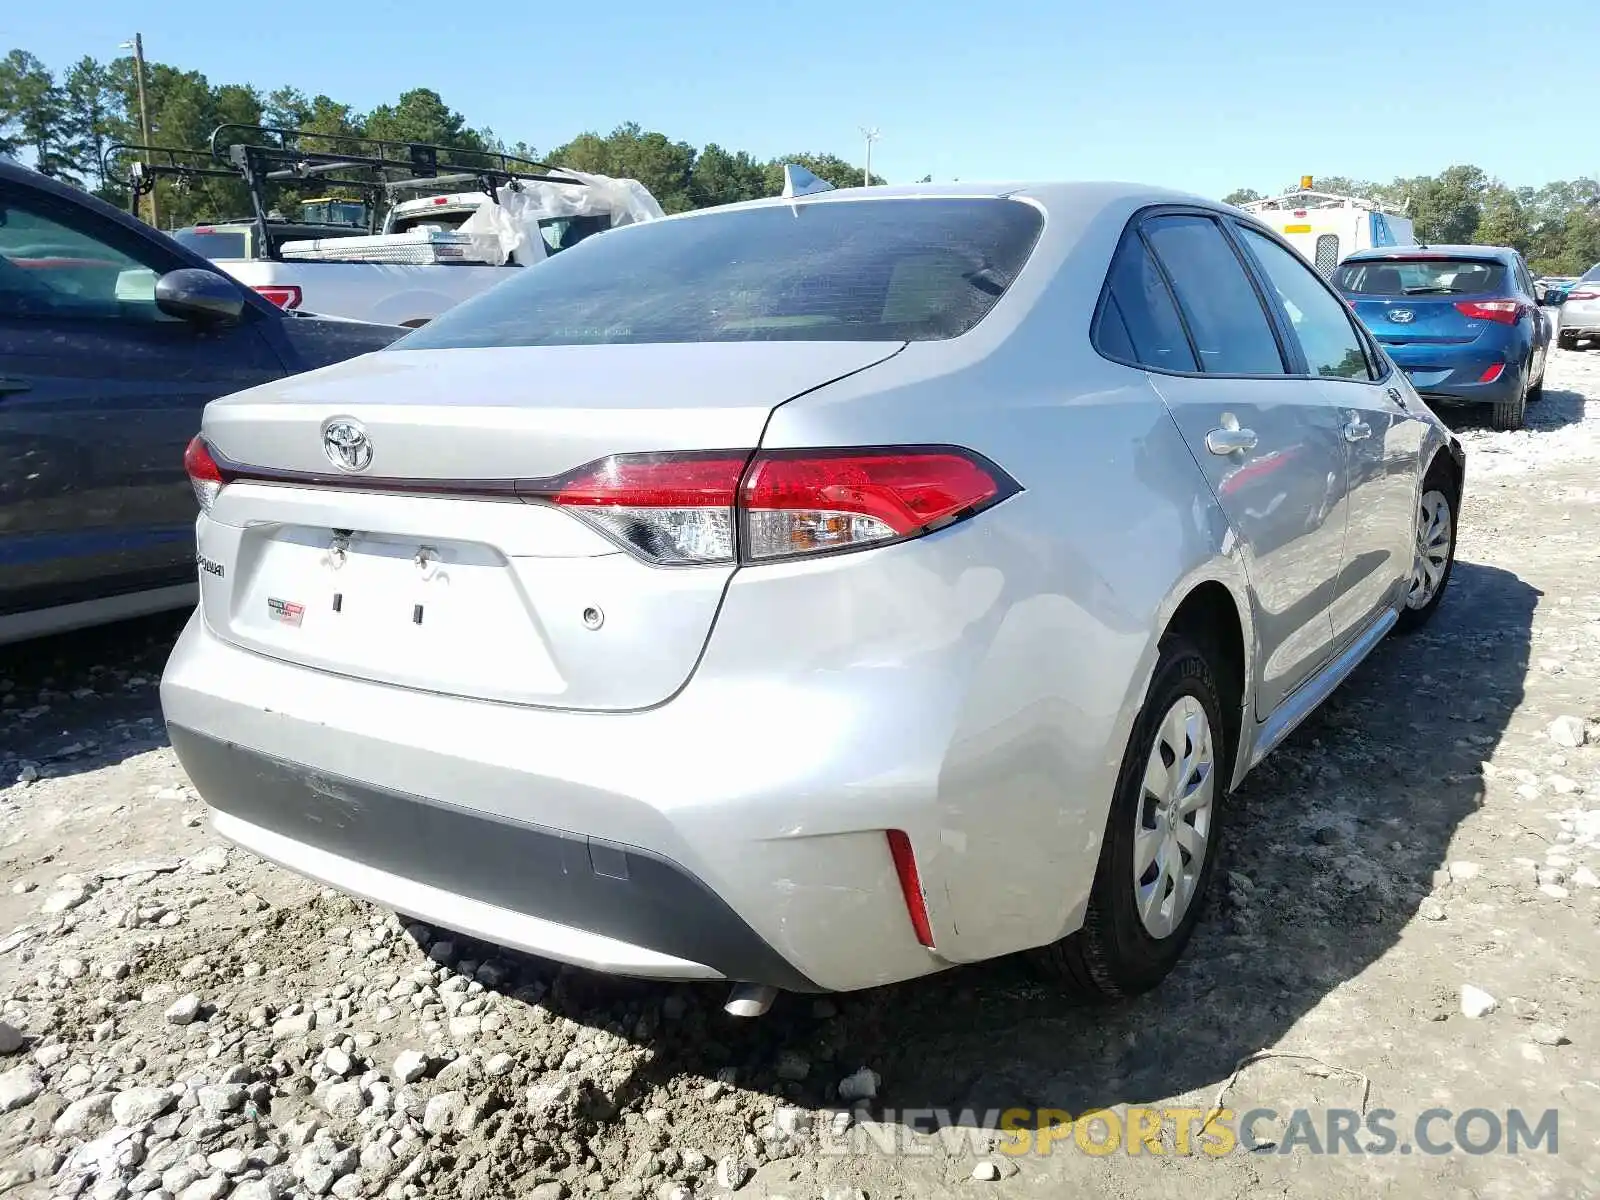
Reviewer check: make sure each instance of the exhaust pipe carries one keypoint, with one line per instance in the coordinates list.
(750, 1000)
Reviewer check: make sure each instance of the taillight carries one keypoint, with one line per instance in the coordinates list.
(1492, 372)
(205, 476)
(1583, 295)
(803, 502)
(1505, 312)
(719, 506)
(284, 295)
(674, 509)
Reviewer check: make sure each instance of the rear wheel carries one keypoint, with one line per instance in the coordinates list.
(1161, 840)
(1435, 557)
(1567, 341)
(1536, 388)
(1508, 413)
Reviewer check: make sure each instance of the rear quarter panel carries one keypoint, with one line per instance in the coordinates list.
(1030, 631)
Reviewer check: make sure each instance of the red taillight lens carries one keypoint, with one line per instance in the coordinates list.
(673, 509)
(684, 509)
(1583, 295)
(1506, 312)
(205, 476)
(284, 295)
(803, 502)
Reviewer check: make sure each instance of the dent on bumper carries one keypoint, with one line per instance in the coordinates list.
(565, 896)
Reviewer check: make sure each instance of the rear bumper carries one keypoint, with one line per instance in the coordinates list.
(1580, 323)
(1455, 382)
(584, 900)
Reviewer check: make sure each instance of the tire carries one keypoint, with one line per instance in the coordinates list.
(1116, 954)
(1435, 546)
(1508, 413)
(1536, 388)
(1566, 341)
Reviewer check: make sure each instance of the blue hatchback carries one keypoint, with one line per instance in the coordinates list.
(1462, 322)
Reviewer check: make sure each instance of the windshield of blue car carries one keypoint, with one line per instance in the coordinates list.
(1420, 277)
(902, 269)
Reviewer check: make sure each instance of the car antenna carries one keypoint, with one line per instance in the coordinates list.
(797, 181)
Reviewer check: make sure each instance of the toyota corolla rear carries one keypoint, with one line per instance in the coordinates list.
(517, 627)
(1452, 322)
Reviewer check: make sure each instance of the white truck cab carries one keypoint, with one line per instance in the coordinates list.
(1325, 227)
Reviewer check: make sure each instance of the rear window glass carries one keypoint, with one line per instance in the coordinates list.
(1421, 277)
(227, 244)
(840, 270)
(1592, 274)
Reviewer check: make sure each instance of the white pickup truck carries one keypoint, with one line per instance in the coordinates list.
(436, 251)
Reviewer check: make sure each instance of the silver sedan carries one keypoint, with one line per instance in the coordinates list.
(811, 593)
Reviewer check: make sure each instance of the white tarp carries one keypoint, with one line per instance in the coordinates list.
(510, 229)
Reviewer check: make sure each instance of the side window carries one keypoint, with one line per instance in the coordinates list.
(1332, 346)
(1137, 321)
(52, 267)
(1219, 304)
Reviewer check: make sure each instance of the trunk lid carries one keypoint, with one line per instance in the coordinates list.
(422, 570)
(1418, 321)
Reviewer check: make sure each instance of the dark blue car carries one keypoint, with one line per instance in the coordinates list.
(112, 339)
(1462, 322)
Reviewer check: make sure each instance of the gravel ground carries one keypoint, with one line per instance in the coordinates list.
(181, 1021)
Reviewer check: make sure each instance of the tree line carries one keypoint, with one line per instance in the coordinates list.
(65, 121)
(1556, 227)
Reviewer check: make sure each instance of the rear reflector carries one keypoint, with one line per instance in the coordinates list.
(204, 475)
(905, 866)
(1492, 372)
(284, 295)
(1505, 312)
(718, 506)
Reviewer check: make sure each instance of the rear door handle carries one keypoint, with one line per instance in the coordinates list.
(1230, 441)
(9, 386)
(1356, 430)
(1397, 396)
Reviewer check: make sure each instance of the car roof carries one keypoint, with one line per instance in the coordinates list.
(1085, 196)
(1503, 254)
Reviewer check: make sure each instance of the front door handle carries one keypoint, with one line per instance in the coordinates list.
(1227, 441)
(1356, 430)
(9, 386)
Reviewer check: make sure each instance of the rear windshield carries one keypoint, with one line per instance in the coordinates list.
(1421, 277)
(444, 221)
(224, 244)
(1592, 274)
(906, 269)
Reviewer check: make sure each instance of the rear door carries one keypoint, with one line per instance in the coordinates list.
(101, 392)
(1268, 443)
(1383, 436)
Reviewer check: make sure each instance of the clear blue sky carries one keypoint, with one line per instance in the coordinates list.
(1201, 96)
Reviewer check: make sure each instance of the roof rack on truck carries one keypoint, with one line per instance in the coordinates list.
(1325, 226)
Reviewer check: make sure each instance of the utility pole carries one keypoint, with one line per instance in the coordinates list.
(866, 174)
(137, 46)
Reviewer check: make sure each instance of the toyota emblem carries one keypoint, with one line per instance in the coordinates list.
(346, 444)
(1402, 316)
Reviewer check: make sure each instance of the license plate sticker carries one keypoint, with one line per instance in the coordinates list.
(285, 612)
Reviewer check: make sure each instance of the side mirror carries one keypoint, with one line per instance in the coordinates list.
(201, 297)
